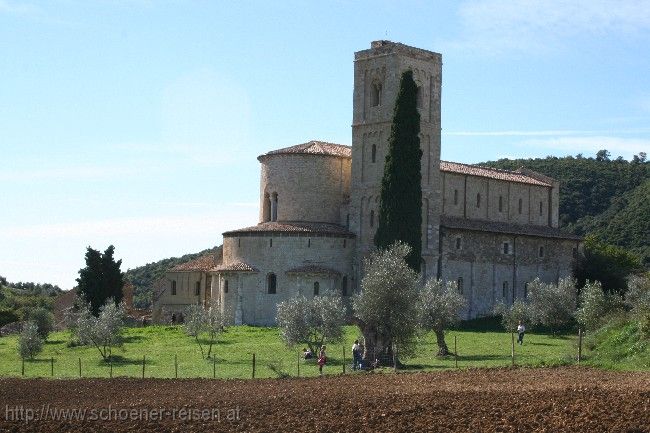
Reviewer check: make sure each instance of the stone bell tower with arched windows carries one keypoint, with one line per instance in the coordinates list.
(377, 74)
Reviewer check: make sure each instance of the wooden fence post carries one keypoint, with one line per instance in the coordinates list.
(343, 358)
(513, 348)
(299, 365)
(456, 351)
(52, 366)
(79, 367)
(143, 363)
(253, 366)
(579, 345)
(176, 366)
(214, 367)
(23, 367)
(110, 362)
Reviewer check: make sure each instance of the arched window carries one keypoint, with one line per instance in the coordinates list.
(345, 243)
(459, 282)
(500, 203)
(271, 284)
(344, 286)
(197, 288)
(459, 243)
(373, 156)
(270, 243)
(309, 243)
(347, 221)
(455, 197)
(541, 251)
(478, 200)
(541, 208)
(173, 287)
(316, 288)
(225, 286)
(372, 218)
(376, 94)
(505, 289)
(274, 207)
(266, 211)
(506, 248)
(525, 290)
(521, 205)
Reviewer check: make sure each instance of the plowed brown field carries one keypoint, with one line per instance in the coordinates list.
(485, 400)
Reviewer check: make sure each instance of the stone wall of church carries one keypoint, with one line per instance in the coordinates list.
(497, 200)
(308, 187)
(488, 272)
(186, 293)
(278, 254)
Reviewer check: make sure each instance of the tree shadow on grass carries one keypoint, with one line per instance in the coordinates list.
(54, 341)
(132, 338)
(483, 357)
(118, 360)
(530, 343)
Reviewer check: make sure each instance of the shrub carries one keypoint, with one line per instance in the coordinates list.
(30, 342)
(7, 316)
(201, 320)
(637, 297)
(44, 321)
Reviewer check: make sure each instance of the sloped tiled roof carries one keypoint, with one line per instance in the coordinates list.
(202, 263)
(235, 267)
(505, 227)
(313, 147)
(313, 269)
(493, 173)
(293, 227)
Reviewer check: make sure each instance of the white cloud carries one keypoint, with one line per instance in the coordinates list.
(499, 25)
(616, 145)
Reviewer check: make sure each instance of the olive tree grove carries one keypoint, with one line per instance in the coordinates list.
(204, 321)
(104, 331)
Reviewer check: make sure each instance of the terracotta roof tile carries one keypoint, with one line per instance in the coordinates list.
(313, 269)
(313, 147)
(493, 173)
(504, 227)
(202, 263)
(293, 227)
(235, 267)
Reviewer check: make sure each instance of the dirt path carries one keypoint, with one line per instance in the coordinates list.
(503, 400)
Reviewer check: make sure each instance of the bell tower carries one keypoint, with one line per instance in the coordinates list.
(377, 74)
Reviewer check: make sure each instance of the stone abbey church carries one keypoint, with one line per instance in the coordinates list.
(492, 231)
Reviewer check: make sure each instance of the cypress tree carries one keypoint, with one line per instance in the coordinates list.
(101, 279)
(400, 207)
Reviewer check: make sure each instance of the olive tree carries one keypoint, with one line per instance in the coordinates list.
(637, 297)
(511, 315)
(104, 331)
(439, 308)
(386, 308)
(552, 305)
(43, 319)
(199, 321)
(596, 305)
(311, 322)
(30, 343)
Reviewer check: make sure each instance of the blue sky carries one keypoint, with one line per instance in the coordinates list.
(137, 123)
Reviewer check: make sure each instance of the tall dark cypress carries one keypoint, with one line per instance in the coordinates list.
(101, 279)
(400, 208)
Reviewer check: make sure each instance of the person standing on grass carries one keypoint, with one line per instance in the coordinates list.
(356, 355)
(322, 359)
(521, 330)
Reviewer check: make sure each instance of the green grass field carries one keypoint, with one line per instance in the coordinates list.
(235, 348)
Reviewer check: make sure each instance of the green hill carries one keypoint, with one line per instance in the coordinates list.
(607, 198)
(144, 277)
